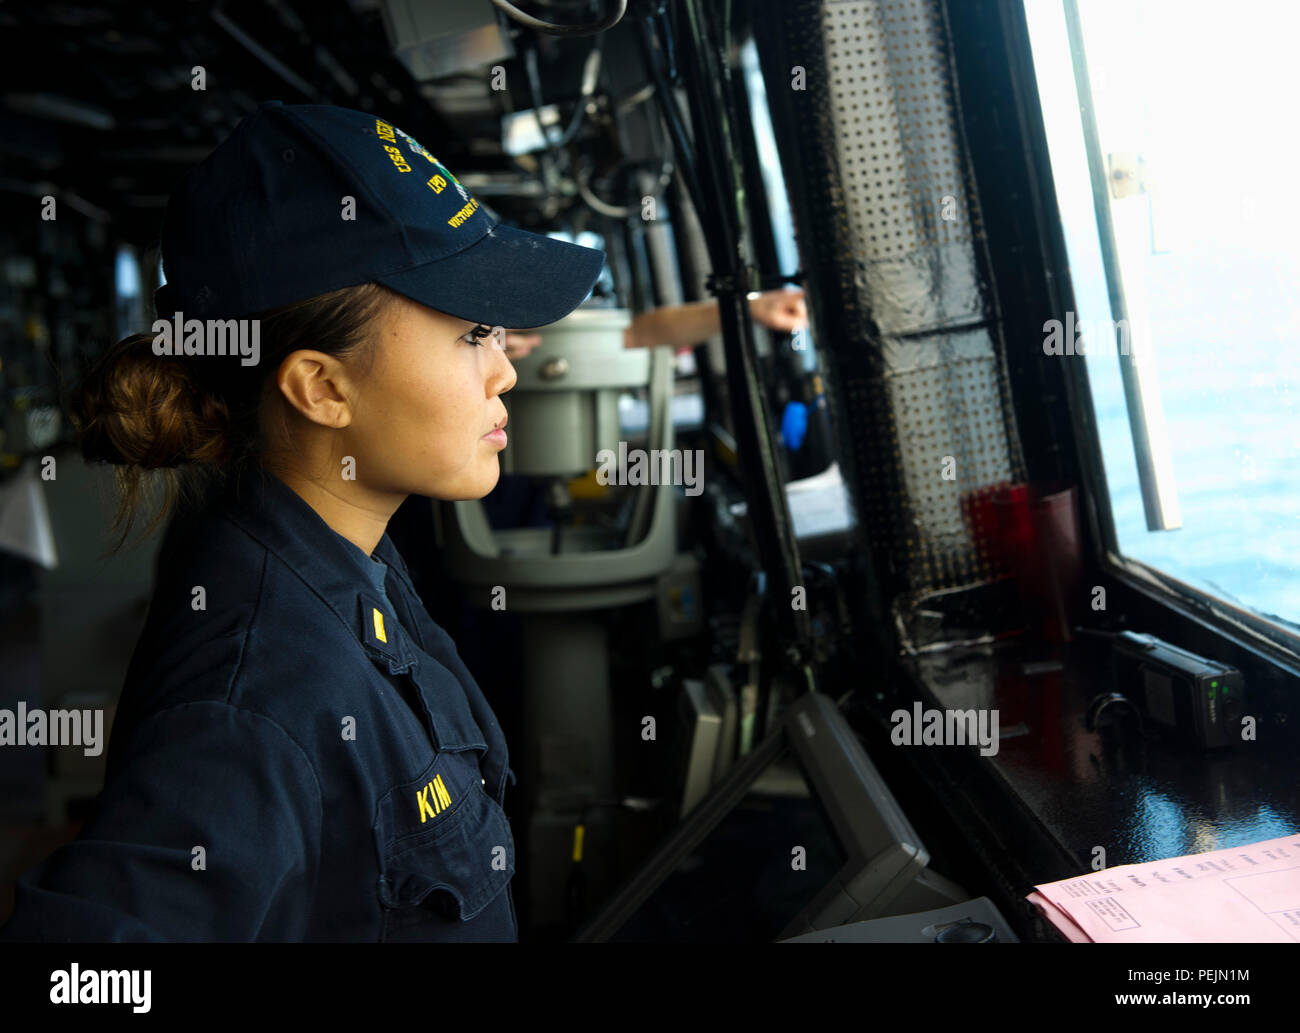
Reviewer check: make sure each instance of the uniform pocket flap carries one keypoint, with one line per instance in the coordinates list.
(460, 862)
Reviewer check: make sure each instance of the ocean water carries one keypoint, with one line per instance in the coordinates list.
(1226, 343)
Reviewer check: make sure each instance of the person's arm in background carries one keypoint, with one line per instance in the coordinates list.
(680, 326)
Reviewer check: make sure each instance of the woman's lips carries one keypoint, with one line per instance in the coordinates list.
(498, 436)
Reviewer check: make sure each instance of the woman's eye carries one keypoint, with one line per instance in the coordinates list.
(496, 334)
(481, 333)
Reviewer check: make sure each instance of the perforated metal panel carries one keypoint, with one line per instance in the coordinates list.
(944, 394)
(889, 213)
(896, 143)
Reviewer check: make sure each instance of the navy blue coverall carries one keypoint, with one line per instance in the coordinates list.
(299, 754)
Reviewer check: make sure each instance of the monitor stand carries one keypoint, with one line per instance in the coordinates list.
(886, 873)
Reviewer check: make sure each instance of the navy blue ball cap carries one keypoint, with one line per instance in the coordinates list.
(303, 199)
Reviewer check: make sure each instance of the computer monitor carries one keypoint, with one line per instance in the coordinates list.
(863, 858)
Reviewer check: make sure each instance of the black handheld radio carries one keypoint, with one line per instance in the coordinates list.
(1195, 701)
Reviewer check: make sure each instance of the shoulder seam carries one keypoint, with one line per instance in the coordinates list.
(250, 713)
(245, 711)
(248, 630)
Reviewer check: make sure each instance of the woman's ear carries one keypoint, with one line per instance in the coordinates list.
(318, 386)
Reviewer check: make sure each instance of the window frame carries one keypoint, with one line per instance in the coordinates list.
(996, 77)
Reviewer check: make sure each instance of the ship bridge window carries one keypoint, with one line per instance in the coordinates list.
(1170, 170)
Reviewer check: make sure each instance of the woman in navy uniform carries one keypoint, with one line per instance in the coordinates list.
(299, 752)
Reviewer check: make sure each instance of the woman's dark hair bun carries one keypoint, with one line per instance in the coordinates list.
(135, 408)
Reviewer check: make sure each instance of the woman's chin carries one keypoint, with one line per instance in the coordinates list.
(472, 483)
(481, 487)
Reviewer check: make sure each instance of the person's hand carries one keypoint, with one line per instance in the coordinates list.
(781, 309)
(519, 345)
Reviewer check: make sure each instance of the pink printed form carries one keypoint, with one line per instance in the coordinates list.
(1247, 894)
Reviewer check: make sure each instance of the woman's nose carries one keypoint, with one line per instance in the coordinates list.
(504, 373)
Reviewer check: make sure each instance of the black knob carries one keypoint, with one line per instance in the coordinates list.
(967, 931)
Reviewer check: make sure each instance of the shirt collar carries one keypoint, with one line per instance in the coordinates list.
(279, 518)
(374, 568)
